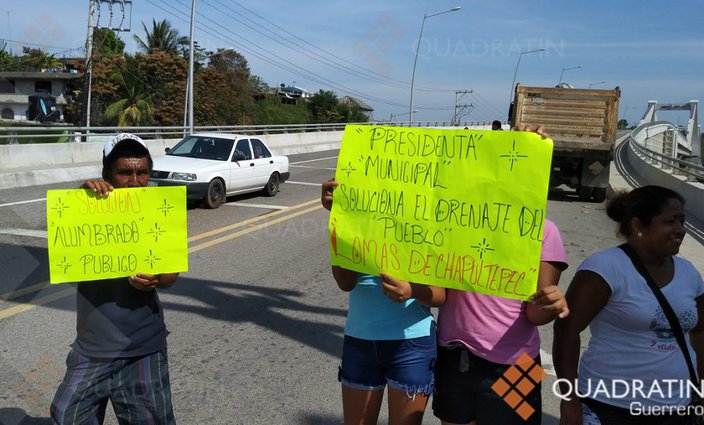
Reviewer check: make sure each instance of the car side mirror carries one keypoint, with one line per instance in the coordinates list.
(167, 149)
(238, 156)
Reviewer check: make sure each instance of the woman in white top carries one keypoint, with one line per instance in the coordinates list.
(633, 371)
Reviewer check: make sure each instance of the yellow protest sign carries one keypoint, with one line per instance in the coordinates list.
(461, 209)
(135, 230)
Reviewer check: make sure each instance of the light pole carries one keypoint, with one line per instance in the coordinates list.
(415, 61)
(513, 83)
(567, 69)
(596, 84)
(188, 112)
(189, 82)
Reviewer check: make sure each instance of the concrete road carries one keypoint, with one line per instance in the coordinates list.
(256, 324)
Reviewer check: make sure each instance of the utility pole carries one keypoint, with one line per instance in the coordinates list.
(460, 108)
(89, 65)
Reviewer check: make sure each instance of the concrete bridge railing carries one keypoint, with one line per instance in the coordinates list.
(658, 163)
(23, 163)
(45, 163)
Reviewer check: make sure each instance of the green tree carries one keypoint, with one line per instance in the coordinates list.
(223, 94)
(38, 59)
(162, 37)
(106, 42)
(260, 87)
(199, 58)
(9, 62)
(165, 77)
(355, 114)
(622, 124)
(134, 108)
(270, 110)
(325, 107)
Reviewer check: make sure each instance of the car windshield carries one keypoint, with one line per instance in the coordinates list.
(203, 148)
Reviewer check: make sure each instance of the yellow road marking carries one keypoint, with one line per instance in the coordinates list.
(27, 290)
(251, 220)
(20, 308)
(250, 230)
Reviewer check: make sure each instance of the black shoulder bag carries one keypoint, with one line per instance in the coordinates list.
(670, 315)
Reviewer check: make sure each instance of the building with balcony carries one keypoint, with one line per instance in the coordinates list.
(17, 87)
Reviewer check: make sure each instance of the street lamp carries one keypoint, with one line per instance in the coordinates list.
(189, 82)
(567, 69)
(516, 71)
(415, 61)
(392, 116)
(596, 84)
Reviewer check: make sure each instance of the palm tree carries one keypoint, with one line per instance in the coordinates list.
(162, 37)
(38, 59)
(134, 109)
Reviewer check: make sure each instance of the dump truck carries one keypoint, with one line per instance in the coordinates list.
(582, 124)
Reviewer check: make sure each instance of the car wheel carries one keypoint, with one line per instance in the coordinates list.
(215, 195)
(272, 186)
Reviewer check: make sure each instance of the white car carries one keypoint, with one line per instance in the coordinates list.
(214, 165)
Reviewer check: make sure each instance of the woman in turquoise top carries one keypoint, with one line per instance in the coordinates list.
(389, 340)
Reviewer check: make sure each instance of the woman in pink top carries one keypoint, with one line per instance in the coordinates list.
(481, 336)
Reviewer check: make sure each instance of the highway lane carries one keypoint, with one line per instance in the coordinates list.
(256, 324)
(256, 300)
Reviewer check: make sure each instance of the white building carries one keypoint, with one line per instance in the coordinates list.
(16, 87)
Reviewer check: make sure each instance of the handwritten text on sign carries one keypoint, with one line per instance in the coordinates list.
(136, 230)
(462, 209)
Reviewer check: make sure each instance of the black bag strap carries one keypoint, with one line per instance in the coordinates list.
(666, 308)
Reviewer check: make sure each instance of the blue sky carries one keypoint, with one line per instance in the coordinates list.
(651, 50)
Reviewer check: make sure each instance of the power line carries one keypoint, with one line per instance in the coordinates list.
(489, 104)
(255, 52)
(338, 62)
(301, 72)
(347, 67)
(41, 46)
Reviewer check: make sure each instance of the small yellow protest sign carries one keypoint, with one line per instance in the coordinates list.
(135, 230)
(461, 209)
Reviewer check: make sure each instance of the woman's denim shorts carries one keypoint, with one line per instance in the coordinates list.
(405, 364)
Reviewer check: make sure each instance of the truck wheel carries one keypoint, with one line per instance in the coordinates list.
(599, 194)
(584, 193)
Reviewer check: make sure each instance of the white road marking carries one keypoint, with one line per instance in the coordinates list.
(24, 232)
(23, 202)
(242, 204)
(303, 183)
(313, 160)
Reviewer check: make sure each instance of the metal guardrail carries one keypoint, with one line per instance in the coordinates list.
(34, 134)
(693, 171)
(54, 134)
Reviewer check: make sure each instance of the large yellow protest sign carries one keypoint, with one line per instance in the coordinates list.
(461, 209)
(135, 230)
